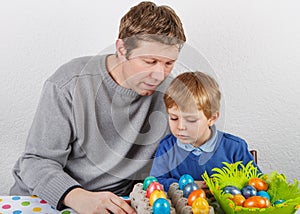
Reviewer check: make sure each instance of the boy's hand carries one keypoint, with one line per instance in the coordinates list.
(202, 185)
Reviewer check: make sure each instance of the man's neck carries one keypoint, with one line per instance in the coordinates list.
(114, 68)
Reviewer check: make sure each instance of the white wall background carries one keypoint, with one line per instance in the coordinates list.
(253, 47)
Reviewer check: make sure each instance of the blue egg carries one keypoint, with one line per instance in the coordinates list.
(232, 190)
(280, 201)
(248, 191)
(184, 180)
(147, 181)
(187, 189)
(161, 206)
(263, 194)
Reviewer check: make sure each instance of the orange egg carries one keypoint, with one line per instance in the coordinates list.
(196, 194)
(238, 199)
(258, 183)
(268, 203)
(255, 201)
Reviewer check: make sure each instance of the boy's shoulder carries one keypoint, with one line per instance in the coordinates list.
(168, 141)
(232, 138)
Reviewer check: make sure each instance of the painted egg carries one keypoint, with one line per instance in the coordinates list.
(200, 206)
(153, 186)
(248, 191)
(263, 194)
(279, 201)
(268, 203)
(255, 201)
(196, 194)
(258, 183)
(238, 199)
(187, 189)
(161, 206)
(184, 180)
(148, 180)
(156, 194)
(232, 190)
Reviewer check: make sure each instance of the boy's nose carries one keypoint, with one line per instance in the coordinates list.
(181, 126)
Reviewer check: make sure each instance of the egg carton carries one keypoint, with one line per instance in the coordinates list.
(178, 203)
(140, 202)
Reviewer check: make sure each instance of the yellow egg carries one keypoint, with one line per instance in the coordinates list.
(156, 194)
(200, 206)
(238, 199)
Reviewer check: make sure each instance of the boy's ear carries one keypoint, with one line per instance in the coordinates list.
(213, 118)
(121, 50)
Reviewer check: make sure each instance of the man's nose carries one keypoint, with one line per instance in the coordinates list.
(158, 73)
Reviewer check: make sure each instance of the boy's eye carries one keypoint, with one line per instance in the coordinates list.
(191, 120)
(173, 118)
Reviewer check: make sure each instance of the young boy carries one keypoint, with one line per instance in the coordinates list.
(192, 101)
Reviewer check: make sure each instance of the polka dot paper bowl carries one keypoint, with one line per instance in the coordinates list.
(284, 196)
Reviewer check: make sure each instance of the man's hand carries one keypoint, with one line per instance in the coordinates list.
(86, 202)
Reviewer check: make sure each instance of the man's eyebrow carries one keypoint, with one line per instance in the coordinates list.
(156, 57)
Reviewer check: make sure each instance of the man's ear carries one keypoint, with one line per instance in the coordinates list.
(121, 50)
(213, 118)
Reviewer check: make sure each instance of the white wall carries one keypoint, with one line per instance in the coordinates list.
(253, 47)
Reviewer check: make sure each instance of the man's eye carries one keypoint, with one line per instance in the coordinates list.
(151, 62)
(169, 63)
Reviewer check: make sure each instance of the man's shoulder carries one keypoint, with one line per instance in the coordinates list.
(74, 68)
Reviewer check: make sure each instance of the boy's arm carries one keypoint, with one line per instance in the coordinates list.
(243, 154)
(160, 168)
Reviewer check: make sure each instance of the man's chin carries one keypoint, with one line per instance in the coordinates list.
(146, 93)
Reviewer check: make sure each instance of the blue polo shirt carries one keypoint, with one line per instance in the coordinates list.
(208, 146)
(173, 158)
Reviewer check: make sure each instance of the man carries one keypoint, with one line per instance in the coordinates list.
(100, 118)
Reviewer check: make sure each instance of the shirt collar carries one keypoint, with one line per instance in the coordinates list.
(208, 146)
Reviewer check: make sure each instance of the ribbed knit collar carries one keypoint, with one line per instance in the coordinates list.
(111, 82)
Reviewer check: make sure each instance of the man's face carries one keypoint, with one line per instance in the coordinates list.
(147, 66)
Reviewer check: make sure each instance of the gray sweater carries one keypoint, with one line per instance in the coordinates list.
(88, 131)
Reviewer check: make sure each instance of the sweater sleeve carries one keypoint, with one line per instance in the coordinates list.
(244, 154)
(160, 168)
(41, 168)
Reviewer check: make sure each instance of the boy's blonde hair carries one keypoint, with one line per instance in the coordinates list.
(149, 22)
(191, 89)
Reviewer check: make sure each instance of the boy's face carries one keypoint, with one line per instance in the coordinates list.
(147, 66)
(190, 127)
